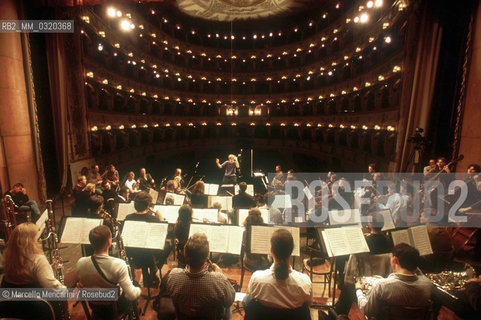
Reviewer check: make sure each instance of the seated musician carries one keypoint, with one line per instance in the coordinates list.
(147, 259)
(103, 271)
(131, 184)
(145, 180)
(170, 186)
(243, 200)
(280, 286)
(406, 286)
(21, 201)
(198, 199)
(94, 176)
(181, 231)
(26, 265)
(221, 217)
(377, 241)
(178, 180)
(123, 196)
(111, 175)
(200, 290)
(77, 195)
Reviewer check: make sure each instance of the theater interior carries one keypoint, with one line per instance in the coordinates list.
(327, 90)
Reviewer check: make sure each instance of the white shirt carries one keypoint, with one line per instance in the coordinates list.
(114, 269)
(131, 184)
(291, 293)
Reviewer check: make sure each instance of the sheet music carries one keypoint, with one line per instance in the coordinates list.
(326, 243)
(337, 241)
(282, 201)
(261, 239)
(154, 194)
(249, 190)
(308, 193)
(208, 214)
(156, 235)
(41, 222)
(225, 201)
(76, 230)
(222, 238)
(142, 234)
(339, 217)
(421, 240)
(355, 238)
(401, 236)
(134, 234)
(178, 198)
(124, 209)
(169, 213)
(388, 222)
(235, 240)
(211, 189)
(243, 213)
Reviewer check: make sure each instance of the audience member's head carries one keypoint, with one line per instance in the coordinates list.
(100, 237)
(405, 256)
(474, 168)
(196, 250)
(282, 245)
(142, 201)
(170, 186)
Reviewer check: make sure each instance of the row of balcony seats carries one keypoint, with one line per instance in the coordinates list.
(379, 143)
(307, 56)
(384, 95)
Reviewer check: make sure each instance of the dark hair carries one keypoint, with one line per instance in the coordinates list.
(373, 166)
(142, 201)
(169, 200)
(282, 245)
(123, 190)
(243, 186)
(170, 186)
(99, 236)
(377, 221)
(196, 250)
(254, 218)
(443, 159)
(184, 219)
(476, 167)
(198, 188)
(81, 177)
(408, 256)
(18, 185)
(95, 201)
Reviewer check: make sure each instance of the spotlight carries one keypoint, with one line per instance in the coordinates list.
(111, 12)
(387, 39)
(370, 4)
(378, 3)
(356, 19)
(125, 25)
(100, 47)
(254, 36)
(364, 18)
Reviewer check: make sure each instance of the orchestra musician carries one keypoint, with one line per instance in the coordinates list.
(103, 271)
(111, 175)
(178, 181)
(200, 288)
(145, 180)
(198, 199)
(95, 177)
(21, 201)
(131, 183)
(26, 265)
(230, 167)
(149, 260)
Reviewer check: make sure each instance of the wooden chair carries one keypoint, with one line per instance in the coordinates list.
(397, 312)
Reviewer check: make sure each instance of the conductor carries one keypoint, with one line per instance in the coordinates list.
(230, 169)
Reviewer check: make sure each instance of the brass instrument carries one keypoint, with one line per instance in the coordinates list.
(55, 258)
